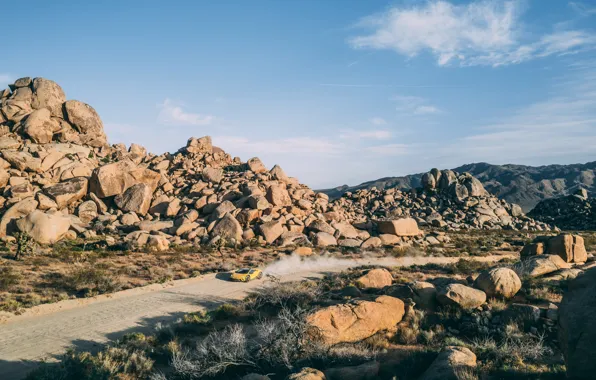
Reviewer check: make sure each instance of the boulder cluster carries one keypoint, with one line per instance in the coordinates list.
(447, 200)
(60, 179)
(572, 212)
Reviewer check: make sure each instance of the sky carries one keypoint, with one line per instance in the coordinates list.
(335, 91)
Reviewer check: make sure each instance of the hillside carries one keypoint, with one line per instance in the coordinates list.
(520, 184)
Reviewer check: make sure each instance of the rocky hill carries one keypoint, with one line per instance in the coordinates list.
(520, 184)
(60, 179)
(571, 212)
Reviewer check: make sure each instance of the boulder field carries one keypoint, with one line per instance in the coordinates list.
(57, 168)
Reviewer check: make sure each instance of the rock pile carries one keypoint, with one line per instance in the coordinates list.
(447, 200)
(572, 212)
(569, 247)
(60, 179)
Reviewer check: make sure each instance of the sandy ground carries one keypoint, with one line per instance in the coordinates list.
(44, 332)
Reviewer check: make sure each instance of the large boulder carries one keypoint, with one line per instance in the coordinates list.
(113, 179)
(577, 330)
(256, 165)
(86, 121)
(271, 230)
(461, 295)
(449, 363)
(424, 294)
(228, 228)
(399, 227)
(18, 210)
(569, 247)
(323, 239)
(40, 126)
(44, 228)
(353, 322)
(48, 94)
(307, 374)
(21, 160)
(199, 145)
(277, 195)
(136, 198)
(375, 278)
(210, 174)
(498, 282)
(68, 192)
(536, 266)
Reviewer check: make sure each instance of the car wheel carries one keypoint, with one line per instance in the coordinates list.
(260, 276)
(246, 279)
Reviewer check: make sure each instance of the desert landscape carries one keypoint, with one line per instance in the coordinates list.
(213, 260)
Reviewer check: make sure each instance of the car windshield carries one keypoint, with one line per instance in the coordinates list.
(243, 271)
(252, 271)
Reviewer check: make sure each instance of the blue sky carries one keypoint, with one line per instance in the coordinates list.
(334, 91)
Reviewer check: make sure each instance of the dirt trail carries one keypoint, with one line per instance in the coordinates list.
(44, 332)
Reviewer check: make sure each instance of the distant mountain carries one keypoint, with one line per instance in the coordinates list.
(521, 184)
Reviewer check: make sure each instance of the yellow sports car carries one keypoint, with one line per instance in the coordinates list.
(246, 274)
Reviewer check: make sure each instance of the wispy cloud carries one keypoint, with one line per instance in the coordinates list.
(378, 121)
(291, 145)
(582, 9)
(376, 134)
(414, 105)
(389, 149)
(480, 33)
(172, 113)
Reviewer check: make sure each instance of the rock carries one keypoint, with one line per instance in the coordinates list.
(18, 210)
(375, 278)
(158, 243)
(113, 179)
(271, 231)
(449, 362)
(129, 219)
(157, 225)
(277, 195)
(200, 145)
(323, 239)
(399, 227)
(536, 266)
(424, 294)
(353, 322)
(68, 192)
(349, 243)
(321, 226)
(366, 371)
(498, 282)
(346, 230)
(307, 374)
(22, 161)
(86, 121)
(48, 94)
(577, 330)
(136, 198)
(388, 239)
(461, 295)
(569, 247)
(223, 208)
(527, 315)
(255, 165)
(212, 175)
(44, 228)
(228, 228)
(87, 211)
(372, 242)
(278, 174)
(40, 126)
(532, 249)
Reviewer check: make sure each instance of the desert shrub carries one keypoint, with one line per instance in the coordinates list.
(291, 295)
(408, 330)
(111, 363)
(91, 280)
(226, 311)
(25, 245)
(9, 277)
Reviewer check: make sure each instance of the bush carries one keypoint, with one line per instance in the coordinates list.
(9, 277)
(91, 280)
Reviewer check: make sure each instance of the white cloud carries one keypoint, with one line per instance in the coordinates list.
(414, 105)
(481, 33)
(290, 145)
(378, 121)
(582, 9)
(172, 113)
(389, 149)
(377, 134)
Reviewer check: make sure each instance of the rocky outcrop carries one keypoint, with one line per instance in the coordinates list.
(44, 228)
(577, 330)
(461, 296)
(447, 200)
(498, 282)
(571, 212)
(569, 247)
(537, 266)
(355, 321)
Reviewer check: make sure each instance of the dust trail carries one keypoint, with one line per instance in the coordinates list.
(296, 263)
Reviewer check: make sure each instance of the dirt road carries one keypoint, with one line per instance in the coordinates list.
(44, 332)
